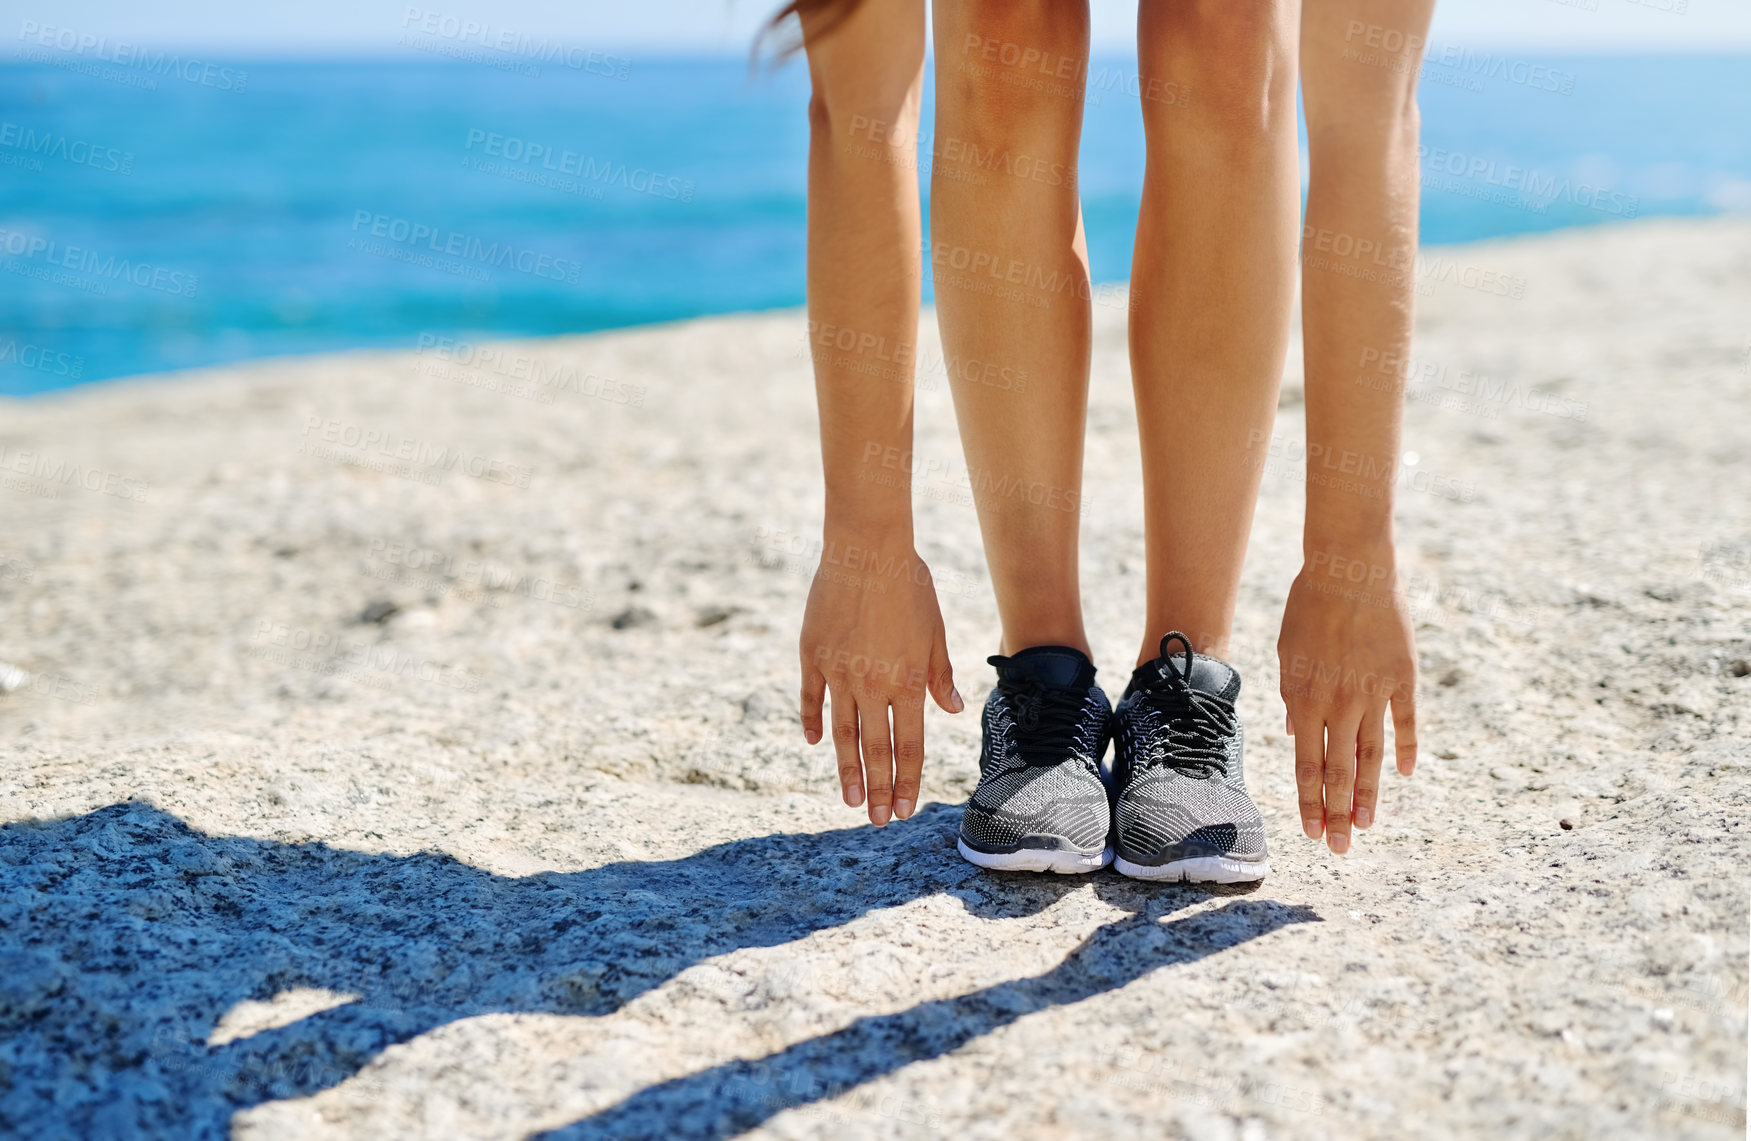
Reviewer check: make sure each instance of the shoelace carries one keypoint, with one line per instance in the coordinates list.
(1196, 723)
(1046, 715)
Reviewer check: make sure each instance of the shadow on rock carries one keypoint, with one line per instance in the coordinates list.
(738, 1096)
(126, 936)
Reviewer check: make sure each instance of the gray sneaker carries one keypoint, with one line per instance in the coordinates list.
(1041, 805)
(1181, 810)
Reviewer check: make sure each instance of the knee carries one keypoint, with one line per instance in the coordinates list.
(1041, 38)
(1232, 62)
(1006, 66)
(1009, 95)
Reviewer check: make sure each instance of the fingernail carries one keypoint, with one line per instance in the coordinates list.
(879, 815)
(1340, 842)
(954, 699)
(854, 795)
(1311, 827)
(811, 736)
(1364, 817)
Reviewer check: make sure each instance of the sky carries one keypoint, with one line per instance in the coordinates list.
(365, 27)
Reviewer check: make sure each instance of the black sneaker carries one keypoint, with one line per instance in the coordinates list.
(1041, 805)
(1181, 811)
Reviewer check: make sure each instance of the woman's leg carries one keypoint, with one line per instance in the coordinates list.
(1011, 276)
(1213, 279)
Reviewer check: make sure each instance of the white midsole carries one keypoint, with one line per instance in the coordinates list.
(1199, 869)
(1037, 860)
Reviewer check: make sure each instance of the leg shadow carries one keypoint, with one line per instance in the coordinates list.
(735, 1097)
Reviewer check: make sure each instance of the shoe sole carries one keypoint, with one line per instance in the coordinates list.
(1199, 869)
(1064, 863)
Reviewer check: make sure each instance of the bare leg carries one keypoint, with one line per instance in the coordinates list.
(1011, 275)
(1214, 279)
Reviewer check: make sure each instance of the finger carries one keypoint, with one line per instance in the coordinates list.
(845, 746)
(908, 752)
(878, 759)
(1340, 780)
(1404, 728)
(942, 678)
(814, 690)
(1370, 748)
(1309, 772)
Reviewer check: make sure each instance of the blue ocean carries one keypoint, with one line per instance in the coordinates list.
(156, 218)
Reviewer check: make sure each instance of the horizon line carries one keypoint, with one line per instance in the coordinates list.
(387, 53)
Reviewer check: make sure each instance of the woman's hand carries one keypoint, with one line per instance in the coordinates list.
(873, 636)
(1346, 653)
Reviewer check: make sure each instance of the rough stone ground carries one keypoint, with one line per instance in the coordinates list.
(538, 846)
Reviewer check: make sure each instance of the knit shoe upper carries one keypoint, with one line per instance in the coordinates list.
(1046, 726)
(1180, 786)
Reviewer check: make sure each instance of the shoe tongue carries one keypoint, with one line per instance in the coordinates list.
(1209, 675)
(1056, 665)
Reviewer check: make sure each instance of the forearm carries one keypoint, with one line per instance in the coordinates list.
(1356, 338)
(863, 287)
(864, 267)
(1359, 254)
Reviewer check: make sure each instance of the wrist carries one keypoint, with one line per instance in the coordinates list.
(1361, 528)
(1343, 569)
(1364, 561)
(883, 523)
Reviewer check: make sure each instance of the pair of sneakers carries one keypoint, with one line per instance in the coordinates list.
(1172, 807)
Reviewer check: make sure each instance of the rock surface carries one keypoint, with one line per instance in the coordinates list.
(405, 744)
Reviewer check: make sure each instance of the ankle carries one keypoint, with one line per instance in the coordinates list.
(1210, 645)
(1009, 646)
